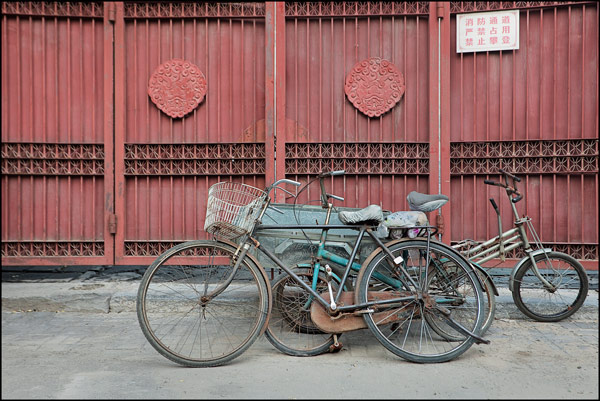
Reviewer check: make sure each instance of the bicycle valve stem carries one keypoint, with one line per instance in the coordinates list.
(332, 305)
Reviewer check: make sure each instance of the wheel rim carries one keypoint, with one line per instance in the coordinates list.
(183, 325)
(559, 303)
(291, 328)
(410, 335)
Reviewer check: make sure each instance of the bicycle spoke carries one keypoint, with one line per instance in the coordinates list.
(413, 331)
(194, 330)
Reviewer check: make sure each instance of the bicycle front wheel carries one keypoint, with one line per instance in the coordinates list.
(181, 319)
(570, 283)
(404, 328)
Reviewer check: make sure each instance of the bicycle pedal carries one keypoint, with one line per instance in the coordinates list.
(337, 347)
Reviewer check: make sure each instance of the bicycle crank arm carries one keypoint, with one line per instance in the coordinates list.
(459, 327)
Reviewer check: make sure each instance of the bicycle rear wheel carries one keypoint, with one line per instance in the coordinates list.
(568, 277)
(404, 328)
(291, 329)
(489, 309)
(186, 327)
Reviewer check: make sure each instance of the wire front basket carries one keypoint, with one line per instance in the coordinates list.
(232, 209)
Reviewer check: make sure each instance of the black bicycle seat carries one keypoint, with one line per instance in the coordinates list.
(425, 203)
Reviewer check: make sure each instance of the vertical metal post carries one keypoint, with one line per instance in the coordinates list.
(275, 93)
(439, 113)
(109, 173)
(444, 111)
(119, 128)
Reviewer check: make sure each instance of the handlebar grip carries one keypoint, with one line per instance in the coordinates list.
(490, 182)
(518, 198)
(495, 205)
(286, 181)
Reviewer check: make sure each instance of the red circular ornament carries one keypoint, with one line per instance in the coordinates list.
(177, 87)
(374, 86)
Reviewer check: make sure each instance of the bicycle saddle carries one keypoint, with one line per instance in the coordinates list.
(371, 215)
(425, 203)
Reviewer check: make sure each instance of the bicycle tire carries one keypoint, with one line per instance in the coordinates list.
(403, 330)
(290, 328)
(563, 271)
(489, 308)
(182, 326)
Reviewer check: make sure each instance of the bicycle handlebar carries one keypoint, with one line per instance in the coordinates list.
(282, 181)
(332, 173)
(324, 195)
(509, 190)
(493, 183)
(517, 179)
(286, 181)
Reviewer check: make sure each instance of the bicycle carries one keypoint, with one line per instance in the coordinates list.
(546, 285)
(305, 339)
(203, 303)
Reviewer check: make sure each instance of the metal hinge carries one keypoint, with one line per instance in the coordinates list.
(112, 223)
(440, 10)
(112, 12)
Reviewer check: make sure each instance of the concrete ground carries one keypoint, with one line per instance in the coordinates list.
(79, 338)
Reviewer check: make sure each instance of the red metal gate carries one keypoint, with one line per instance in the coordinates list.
(164, 166)
(96, 171)
(57, 144)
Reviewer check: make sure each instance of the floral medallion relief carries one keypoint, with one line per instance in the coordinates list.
(177, 87)
(374, 86)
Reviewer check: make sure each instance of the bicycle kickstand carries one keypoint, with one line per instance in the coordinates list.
(336, 346)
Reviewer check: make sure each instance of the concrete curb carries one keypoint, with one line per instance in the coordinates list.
(70, 297)
(116, 297)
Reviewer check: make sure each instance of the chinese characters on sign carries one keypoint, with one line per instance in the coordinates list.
(480, 32)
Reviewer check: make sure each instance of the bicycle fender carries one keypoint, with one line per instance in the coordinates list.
(522, 262)
(488, 276)
(264, 274)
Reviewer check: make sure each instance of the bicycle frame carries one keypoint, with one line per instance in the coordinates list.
(332, 307)
(515, 238)
(350, 265)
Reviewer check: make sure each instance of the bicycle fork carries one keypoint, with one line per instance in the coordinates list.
(531, 253)
(238, 261)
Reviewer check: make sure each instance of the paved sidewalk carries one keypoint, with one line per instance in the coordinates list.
(68, 336)
(105, 356)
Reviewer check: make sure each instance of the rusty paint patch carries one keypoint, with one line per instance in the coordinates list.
(256, 131)
(177, 87)
(374, 86)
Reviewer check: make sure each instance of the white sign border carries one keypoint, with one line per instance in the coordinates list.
(488, 48)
